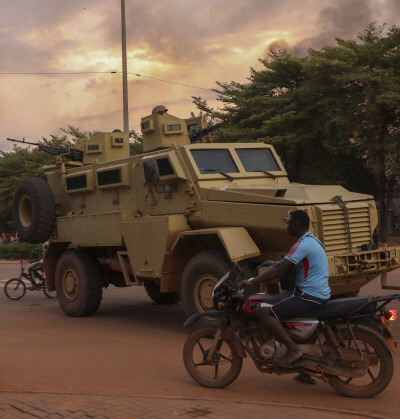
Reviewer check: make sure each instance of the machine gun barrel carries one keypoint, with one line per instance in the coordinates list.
(73, 154)
(22, 141)
(198, 135)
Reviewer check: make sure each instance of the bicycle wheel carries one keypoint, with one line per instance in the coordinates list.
(48, 294)
(15, 289)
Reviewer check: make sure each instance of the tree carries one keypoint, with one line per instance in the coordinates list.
(136, 144)
(278, 107)
(366, 74)
(335, 111)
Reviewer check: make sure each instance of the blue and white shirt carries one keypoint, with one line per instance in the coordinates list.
(312, 269)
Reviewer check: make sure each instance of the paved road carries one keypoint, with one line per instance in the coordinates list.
(126, 361)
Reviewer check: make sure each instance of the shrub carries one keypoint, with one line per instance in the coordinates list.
(21, 251)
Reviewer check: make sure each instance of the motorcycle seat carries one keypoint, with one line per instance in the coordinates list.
(341, 308)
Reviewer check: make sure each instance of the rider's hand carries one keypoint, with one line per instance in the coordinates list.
(244, 282)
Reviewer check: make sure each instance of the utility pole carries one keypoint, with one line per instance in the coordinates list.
(125, 78)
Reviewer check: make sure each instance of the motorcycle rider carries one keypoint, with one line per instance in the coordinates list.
(311, 290)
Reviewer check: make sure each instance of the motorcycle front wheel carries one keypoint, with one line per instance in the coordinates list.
(380, 369)
(221, 370)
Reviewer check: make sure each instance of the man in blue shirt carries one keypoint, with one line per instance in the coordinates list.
(311, 284)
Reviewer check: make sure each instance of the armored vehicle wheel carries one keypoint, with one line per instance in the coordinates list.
(78, 283)
(199, 278)
(153, 291)
(34, 210)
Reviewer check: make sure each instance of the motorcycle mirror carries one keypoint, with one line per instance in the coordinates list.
(265, 264)
(237, 267)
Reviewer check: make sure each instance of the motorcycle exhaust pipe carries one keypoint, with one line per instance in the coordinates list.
(359, 369)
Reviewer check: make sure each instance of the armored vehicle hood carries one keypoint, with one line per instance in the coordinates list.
(293, 194)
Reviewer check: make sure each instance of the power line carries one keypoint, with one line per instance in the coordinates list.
(75, 73)
(172, 82)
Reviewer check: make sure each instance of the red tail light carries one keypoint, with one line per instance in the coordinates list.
(392, 315)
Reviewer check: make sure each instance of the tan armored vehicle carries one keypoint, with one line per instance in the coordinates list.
(175, 217)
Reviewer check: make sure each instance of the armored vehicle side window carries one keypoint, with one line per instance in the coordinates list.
(109, 177)
(214, 161)
(76, 182)
(258, 159)
(160, 167)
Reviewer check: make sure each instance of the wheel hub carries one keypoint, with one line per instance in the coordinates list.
(70, 285)
(25, 211)
(203, 292)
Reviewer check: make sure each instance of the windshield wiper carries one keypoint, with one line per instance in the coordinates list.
(226, 175)
(267, 173)
(218, 171)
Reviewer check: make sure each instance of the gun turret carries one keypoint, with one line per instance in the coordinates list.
(69, 153)
(198, 135)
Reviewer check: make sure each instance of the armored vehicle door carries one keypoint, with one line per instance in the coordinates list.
(166, 188)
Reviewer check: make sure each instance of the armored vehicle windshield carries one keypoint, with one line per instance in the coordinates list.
(236, 161)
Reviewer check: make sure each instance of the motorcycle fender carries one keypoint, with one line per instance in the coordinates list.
(197, 316)
(393, 344)
(384, 331)
(388, 337)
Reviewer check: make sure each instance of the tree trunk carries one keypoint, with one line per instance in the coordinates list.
(385, 198)
(298, 161)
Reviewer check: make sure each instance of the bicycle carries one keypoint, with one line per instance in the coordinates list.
(15, 288)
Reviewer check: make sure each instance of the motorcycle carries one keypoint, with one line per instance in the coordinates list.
(346, 343)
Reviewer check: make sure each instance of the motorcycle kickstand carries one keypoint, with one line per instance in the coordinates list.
(214, 345)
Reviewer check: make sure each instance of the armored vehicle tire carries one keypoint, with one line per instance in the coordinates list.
(153, 291)
(78, 283)
(199, 278)
(34, 210)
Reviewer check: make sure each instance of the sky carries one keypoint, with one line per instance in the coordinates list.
(187, 44)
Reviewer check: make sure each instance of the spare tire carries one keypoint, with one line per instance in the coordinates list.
(34, 210)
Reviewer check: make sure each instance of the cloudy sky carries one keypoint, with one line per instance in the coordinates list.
(183, 42)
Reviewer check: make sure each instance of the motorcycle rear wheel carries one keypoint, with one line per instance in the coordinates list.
(224, 367)
(380, 369)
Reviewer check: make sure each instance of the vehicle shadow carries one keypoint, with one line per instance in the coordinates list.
(142, 312)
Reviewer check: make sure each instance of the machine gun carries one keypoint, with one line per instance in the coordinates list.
(69, 153)
(198, 135)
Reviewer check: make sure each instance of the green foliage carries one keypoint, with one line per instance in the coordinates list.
(136, 144)
(21, 251)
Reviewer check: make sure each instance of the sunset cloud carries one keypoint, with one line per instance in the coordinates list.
(181, 41)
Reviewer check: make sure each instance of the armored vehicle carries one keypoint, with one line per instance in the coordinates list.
(174, 218)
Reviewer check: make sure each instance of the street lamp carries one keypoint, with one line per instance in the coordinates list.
(125, 78)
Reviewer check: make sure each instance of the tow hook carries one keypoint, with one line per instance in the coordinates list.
(363, 263)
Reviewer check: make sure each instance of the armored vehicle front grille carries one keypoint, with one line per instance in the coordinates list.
(335, 230)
